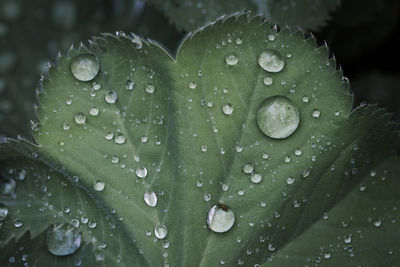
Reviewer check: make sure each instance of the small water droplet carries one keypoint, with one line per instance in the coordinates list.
(248, 168)
(277, 117)
(150, 88)
(18, 223)
(298, 152)
(85, 67)
(111, 97)
(220, 218)
(238, 41)
(160, 231)
(316, 113)
(108, 136)
(94, 111)
(96, 86)
(256, 178)
(227, 109)
(305, 99)
(65, 126)
(268, 80)
(80, 118)
(63, 239)
(119, 139)
(231, 59)
(7, 186)
(271, 61)
(347, 239)
(92, 224)
(130, 84)
(141, 172)
(289, 180)
(192, 85)
(150, 198)
(271, 37)
(377, 223)
(99, 185)
(3, 213)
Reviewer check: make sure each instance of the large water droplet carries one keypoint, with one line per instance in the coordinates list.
(111, 97)
(220, 218)
(63, 239)
(150, 198)
(160, 231)
(85, 67)
(271, 61)
(231, 59)
(277, 117)
(256, 178)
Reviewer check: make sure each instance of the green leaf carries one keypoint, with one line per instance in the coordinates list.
(43, 196)
(361, 230)
(191, 122)
(189, 15)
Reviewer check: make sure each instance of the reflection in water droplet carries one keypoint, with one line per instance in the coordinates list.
(63, 239)
(277, 117)
(220, 218)
(141, 172)
(3, 213)
(150, 198)
(160, 231)
(231, 59)
(80, 118)
(227, 109)
(111, 97)
(99, 186)
(85, 67)
(271, 61)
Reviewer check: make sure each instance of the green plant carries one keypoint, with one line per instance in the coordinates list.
(135, 146)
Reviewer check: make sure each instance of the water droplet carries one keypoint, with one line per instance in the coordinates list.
(65, 126)
(96, 86)
(289, 180)
(160, 231)
(111, 97)
(192, 85)
(119, 139)
(18, 223)
(3, 213)
(305, 99)
(277, 117)
(141, 172)
(150, 88)
(377, 223)
(271, 247)
(238, 41)
(298, 152)
(220, 218)
(92, 224)
(256, 178)
(271, 61)
(99, 186)
(63, 239)
(287, 159)
(109, 136)
(94, 111)
(7, 186)
(130, 84)
(316, 113)
(85, 67)
(268, 80)
(248, 168)
(271, 37)
(80, 118)
(231, 59)
(227, 109)
(150, 198)
(347, 239)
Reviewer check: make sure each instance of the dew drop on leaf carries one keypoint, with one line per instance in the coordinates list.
(99, 185)
(80, 118)
(290, 180)
(160, 231)
(271, 61)
(3, 213)
(85, 67)
(227, 109)
(247, 168)
(63, 239)
(231, 59)
(256, 178)
(17, 223)
(119, 139)
(7, 187)
(220, 218)
(130, 84)
(150, 198)
(278, 117)
(150, 88)
(94, 111)
(316, 113)
(141, 172)
(111, 97)
(108, 136)
(268, 80)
